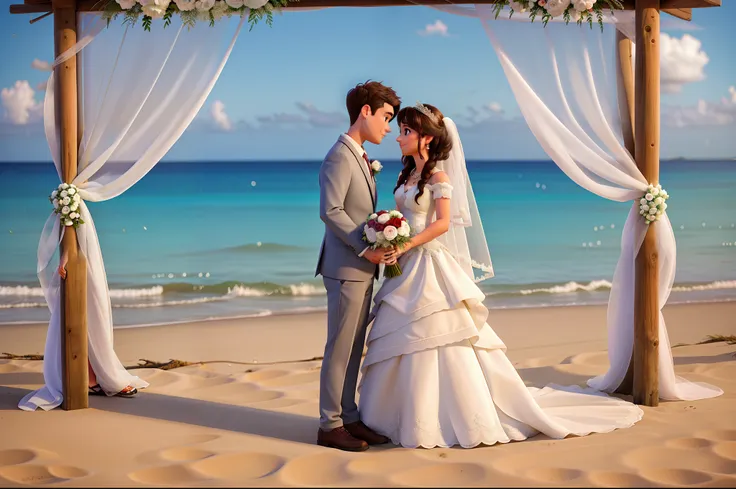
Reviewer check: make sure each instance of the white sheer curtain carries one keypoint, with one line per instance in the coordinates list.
(563, 79)
(139, 92)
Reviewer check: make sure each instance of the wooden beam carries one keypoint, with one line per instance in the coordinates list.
(625, 89)
(40, 6)
(75, 375)
(647, 140)
(680, 13)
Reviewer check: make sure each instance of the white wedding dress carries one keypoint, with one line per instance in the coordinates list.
(436, 374)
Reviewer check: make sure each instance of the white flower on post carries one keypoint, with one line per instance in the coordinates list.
(186, 5)
(64, 193)
(655, 191)
(68, 223)
(74, 206)
(66, 200)
(649, 197)
(71, 191)
(555, 8)
(645, 207)
(653, 210)
(650, 217)
(383, 218)
(54, 194)
(76, 197)
(658, 200)
(664, 206)
(126, 4)
(64, 186)
(643, 201)
(581, 6)
(517, 6)
(390, 232)
(205, 5)
(235, 3)
(219, 10)
(156, 8)
(65, 210)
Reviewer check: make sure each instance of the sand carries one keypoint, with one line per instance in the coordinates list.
(250, 417)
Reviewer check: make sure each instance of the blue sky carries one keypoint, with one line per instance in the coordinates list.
(301, 68)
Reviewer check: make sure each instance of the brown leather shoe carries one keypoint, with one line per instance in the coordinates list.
(362, 432)
(342, 440)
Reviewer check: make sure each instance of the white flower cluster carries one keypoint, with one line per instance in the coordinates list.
(653, 204)
(66, 201)
(387, 237)
(157, 8)
(554, 8)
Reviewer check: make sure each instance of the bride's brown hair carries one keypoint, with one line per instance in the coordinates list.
(439, 147)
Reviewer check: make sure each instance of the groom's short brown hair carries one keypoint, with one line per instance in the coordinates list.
(371, 93)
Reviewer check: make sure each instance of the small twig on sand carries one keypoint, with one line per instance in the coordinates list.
(11, 356)
(718, 338)
(174, 363)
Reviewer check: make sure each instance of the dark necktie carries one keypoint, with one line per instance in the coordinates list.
(368, 162)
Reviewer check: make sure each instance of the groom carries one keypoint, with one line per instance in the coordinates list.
(348, 267)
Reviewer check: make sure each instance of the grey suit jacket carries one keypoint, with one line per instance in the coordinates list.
(347, 197)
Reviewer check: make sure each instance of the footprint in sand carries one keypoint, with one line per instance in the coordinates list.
(317, 470)
(554, 475)
(34, 474)
(718, 435)
(663, 466)
(726, 449)
(441, 475)
(185, 454)
(16, 457)
(261, 375)
(617, 479)
(688, 443)
(171, 475)
(554, 468)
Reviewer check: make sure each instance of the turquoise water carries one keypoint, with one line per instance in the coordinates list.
(219, 239)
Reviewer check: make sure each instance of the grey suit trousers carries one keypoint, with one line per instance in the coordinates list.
(348, 305)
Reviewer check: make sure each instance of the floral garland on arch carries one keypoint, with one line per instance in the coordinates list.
(191, 11)
(578, 10)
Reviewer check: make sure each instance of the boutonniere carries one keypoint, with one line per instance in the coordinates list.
(376, 167)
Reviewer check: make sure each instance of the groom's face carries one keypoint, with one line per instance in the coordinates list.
(377, 124)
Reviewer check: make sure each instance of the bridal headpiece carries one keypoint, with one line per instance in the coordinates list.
(425, 110)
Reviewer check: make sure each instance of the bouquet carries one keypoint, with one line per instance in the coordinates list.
(652, 205)
(385, 229)
(66, 200)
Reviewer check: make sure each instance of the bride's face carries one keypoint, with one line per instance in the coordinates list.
(409, 140)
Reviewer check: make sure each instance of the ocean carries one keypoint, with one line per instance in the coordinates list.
(202, 240)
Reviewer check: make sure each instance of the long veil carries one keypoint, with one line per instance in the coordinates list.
(465, 238)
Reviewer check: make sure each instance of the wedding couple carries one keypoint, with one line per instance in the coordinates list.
(435, 373)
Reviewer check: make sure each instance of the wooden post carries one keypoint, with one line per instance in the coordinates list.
(625, 85)
(75, 376)
(646, 302)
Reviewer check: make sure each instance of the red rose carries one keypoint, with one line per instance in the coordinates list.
(395, 222)
(372, 223)
(380, 213)
(379, 226)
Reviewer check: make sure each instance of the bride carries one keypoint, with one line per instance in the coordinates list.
(435, 373)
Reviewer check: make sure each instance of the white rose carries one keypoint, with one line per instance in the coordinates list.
(394, 213)
(404, 230)
(186, 5)
(255, 3)
(126, 4)
(383, 218)
(76, 198)
(649, 197)
(653, 210)
(664, 206)
(219, 10)
(64, 193)
(373, 216)
(74, 206)
(376, 166)
(54, 194)
(390, 233)
(643, 201)
(380, 238)
(73, 215)
(156, 8)
(68, 223)
(517, 6)
(234, 3)
(658, 200)
(71, 191)
(64, 186)
(650, 217)
(66, 200)
(56, 202)
(555, 8)
(65, 210)
(582, 5)
(655, 191)
(204, 5)
(371, 235)
(645, 207)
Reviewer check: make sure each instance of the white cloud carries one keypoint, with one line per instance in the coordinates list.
(220, 117)
(20, 104)
(438, 28)
(682, 61)
(703, 114)
(41, 86)
(494, 107)
(41, 65)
